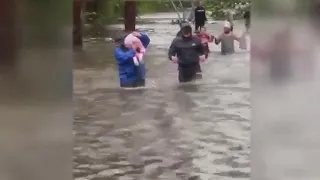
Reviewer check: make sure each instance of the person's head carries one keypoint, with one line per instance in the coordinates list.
(227, 27)
(186, 31)
(200, 3)
(131, 41)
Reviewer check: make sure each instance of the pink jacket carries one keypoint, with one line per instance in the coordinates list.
(205, 37)
(131, 38)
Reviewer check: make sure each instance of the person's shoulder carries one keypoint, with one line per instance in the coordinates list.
(117, 49)
(176, 39)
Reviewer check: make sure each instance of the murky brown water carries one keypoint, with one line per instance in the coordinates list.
(166, 131)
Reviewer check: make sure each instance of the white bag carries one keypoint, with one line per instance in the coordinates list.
(243, 42)
(136, 61)
(140, 58)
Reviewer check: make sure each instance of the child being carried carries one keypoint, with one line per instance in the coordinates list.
(205, 38)
(136, 44)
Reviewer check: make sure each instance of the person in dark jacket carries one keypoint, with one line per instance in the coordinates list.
(247, 18)
(187, 51)
(179, 34)
(200, 17)
(130, 75)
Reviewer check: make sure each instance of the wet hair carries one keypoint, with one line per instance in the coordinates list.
(186, 29)
(183, 24)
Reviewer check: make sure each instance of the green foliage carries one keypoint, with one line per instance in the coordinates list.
(263, 7)
(109, 11)
(218, 7)
(153, 6)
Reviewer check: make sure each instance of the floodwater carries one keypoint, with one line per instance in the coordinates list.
(166, 131)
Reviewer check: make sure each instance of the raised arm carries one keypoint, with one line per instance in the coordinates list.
(210, 37)
(123, 57)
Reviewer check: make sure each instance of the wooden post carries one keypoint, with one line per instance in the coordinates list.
(130, 13)
(77, 23)
(7, 33)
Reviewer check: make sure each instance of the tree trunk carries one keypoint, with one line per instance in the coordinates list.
(7, 33)
(130, 13)
(77, 23)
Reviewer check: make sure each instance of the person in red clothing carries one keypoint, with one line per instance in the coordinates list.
(205, 38)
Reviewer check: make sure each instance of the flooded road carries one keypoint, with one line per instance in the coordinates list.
(166, 131)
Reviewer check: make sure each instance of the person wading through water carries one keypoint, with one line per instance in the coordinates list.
(183, 24)
(247, 20)
(205, 38)
(130, 74)
(179, 34)
(199, 16)
(227, 39)
(187, 51)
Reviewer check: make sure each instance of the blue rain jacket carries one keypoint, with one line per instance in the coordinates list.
(128, 71)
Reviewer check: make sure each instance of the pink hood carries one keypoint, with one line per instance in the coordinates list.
(205, 37)
(131, 38)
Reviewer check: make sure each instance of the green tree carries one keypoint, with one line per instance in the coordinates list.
(218, 7)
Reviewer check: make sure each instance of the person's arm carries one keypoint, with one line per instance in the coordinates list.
(217, 40)
(196, 14)
(205, 15)
(210, 37)
(123, 57)
(172, 50)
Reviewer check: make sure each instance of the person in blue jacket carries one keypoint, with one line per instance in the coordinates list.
(130, 75)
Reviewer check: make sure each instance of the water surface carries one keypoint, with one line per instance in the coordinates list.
(165, 131)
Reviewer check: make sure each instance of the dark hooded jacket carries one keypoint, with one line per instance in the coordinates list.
(200, 15)
(187, 49)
